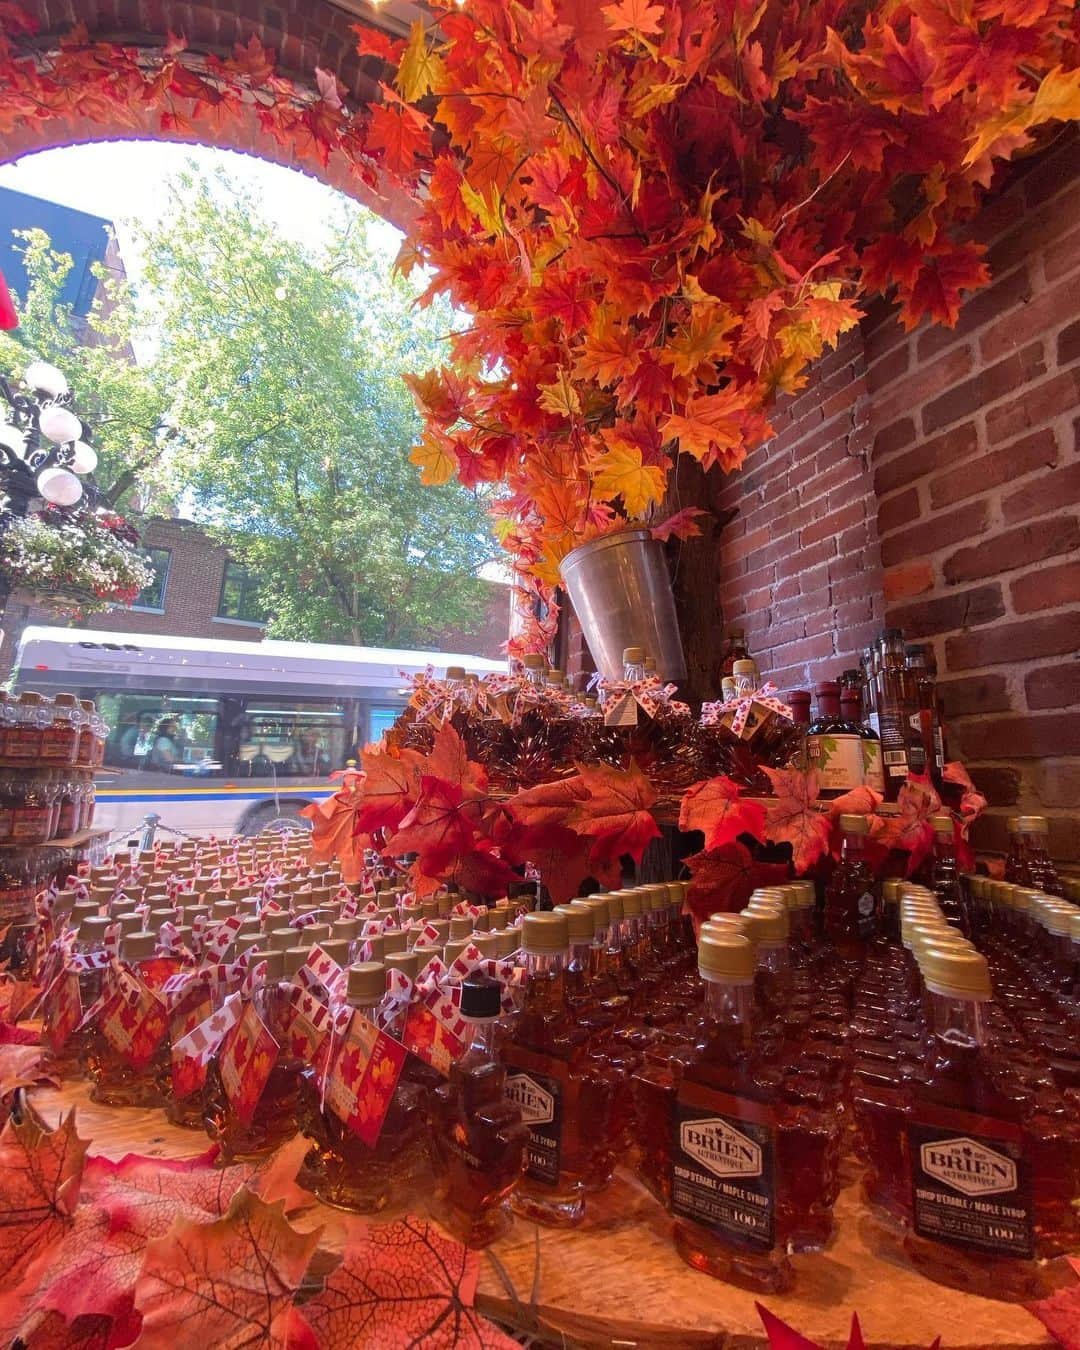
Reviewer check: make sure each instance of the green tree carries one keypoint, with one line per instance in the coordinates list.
(123, 403)
(292, 424)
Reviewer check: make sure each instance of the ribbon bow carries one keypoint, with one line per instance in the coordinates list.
(712, 713)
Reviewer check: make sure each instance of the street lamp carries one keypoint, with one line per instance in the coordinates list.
(43, 447)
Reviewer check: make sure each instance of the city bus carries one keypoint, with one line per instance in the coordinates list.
(223, 737)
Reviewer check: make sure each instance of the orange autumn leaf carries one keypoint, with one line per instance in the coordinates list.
(791, 817)
(636, 17)
(717, 808)
(619, 472)
(617, 812)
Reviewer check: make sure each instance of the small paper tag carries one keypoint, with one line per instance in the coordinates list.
(361, 1082)
(621, 712)
(135, 1025)
(64, 1002)
(429, 1039)
(248, 1056)
(188, 1070)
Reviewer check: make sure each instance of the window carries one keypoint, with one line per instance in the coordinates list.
(165, 734)
(240, 595)
(380, 720)
(276, 738)
(153, 595)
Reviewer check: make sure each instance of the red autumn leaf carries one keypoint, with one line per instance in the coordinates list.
(390, 788)
(254, 60)
(236, 1275)
(723, 879)
(16, 996)
(717, 807)
(971, 802)
(634, 16)
(792, 819)
(12, 1035)
(682, 525)
(618, 811)
(376, 42)
(562, 858)
(449, 760)
(549, 803)
(402, 1284)
(41, 1172)
(20, 1067)
(911, 829)
(398, 137)
(784, 1337)
(1059, 1312)
(440, 828)
(936, 290)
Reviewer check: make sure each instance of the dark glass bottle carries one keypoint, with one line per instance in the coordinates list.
(895, 706)
(834, 746)
(850, 917)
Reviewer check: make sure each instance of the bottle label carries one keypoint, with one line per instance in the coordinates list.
(874, 722)
(621, 712)
(540, 1099)
(430, 1039)
(64, 1002)
(248, 1055)
(939, 747)
(30, 824)
(58, 742)
(723, 1166)
(873, 772)
(23, 742)
(363, 1078)
(134, 1022)
(970, 1186)
(838, 760)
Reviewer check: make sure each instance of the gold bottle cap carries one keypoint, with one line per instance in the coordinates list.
(376, 946)
(130, 923)
(892, 890)
(442, 927)
(509, 942)
(718, 924)
(926, 939)
(409, 963)
(481, 922)
(676, 893)
(1025, 899)
(805, 892)
(337, 949)
(367, 983)
(1071, 887)
(275, 963)
(747, 667)
(956, 973)
(487, 944)
(633, 656)
(453, 950)
(460, 927)
(498, 919)
(1001, 892)
(1032, 825)
(92, 929)
(942, 825)
(854, 824)
(1057, 918)
(727, 958)
(555, 675)
(455, 672)
(769, 924)
(598, 904)
(347, 928)
(294, 958)
(545, 934)
(615, 906)
(579, 920)
(139, 945)
(534, 661)
(1074, 925)
(631, 903)
(768, 893)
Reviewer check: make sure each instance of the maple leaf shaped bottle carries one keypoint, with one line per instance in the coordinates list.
(128, 1041)
(74, 991)
(550, 1078)
(479, 1135)
(343, 1102)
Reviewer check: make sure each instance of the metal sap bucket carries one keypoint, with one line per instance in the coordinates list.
(621, 593)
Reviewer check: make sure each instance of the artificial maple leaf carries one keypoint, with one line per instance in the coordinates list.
(910, 829)
(435, 458)
(609, 353)
(549, 803)
(254, 60)
(560, 397)
(723, 879)
(936, 290)
(420, 68)
(391, 786)
(636, 17)
(20, 1067)
(40, 1172)
(784, 1337)
(618, 811)
(791, 817)
(1059, 1312)
(972, 803)
(402, 1284)
(377, 42)
(718, 808)
(560, 856)
(449, 760)
(682, 525)
(440, 828)
(236, 1275)
(398, 137)
(619, 472)
(710, 423)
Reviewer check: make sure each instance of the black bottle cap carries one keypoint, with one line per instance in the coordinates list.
(480, 997)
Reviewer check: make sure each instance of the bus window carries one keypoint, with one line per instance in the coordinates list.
(169, 734)
(380, 720)
(288, 738)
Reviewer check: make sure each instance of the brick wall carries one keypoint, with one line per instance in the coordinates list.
(977, 474)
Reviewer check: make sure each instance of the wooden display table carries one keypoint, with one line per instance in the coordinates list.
(617, 1280)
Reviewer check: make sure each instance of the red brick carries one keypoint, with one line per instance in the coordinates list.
(1004, 295)
(986, 387)
(852, 587)
(899, 510)
(945, 613)
(828, 482)
(935, 533)
(1053, 172)
(997, 783)
(999, 466)
(1053, 686)
(811, 580)
(1028, 737)
(832, 524)
(891, 366)
(804, 558)
(942, 452)
(1064, 844)
(1036, 229)
(894, 437)
(739, 548)
(913, 579)
(1052, 635)
(1045, 312)
(974, 694)
(1062, 256)
(922, 384)
(990, 833)
(1035, 406)
(1058, 783)
(849, 565)
(1049, 492)
(1068, 347)
(809, 649)
(1047, 588)
(1015, 548)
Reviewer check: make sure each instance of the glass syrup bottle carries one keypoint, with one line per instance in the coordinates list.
(895, 707)
(341, 1168)
(945, 873)
(65, 1044)
(850, 915)
(834, 746)
(550, 1079)
(851, 710)
(132, 1077)
(479, 1136)
(744, 1162)
(985, 1212)
(1028, 862)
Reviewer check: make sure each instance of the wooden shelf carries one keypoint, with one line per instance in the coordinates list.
(617, 1279)
(71, 841)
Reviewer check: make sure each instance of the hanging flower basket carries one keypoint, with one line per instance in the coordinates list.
(74, 562)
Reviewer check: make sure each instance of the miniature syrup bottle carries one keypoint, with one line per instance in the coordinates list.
(341, 1168)
(744, 1164)
(565, 1104)
(125, 1048)
(63, 1040)
(1028, 862)
(945, 874)
(850, 918)
(479, 1135)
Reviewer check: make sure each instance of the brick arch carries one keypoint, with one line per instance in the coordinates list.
(303, 33)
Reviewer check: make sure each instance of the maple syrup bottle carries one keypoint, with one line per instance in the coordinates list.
(125, 1048)
(850, 916)
(564, 1104)
(834, 746)
(251, 1096)
(745, 1162)
(919, 659)
(72, 995)
(1028, 862)
(895, 708)
(945, 874)
(479, 1136)
(342, 1169)
(985, 1209)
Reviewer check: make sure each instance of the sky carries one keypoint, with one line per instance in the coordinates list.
(126, 181)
